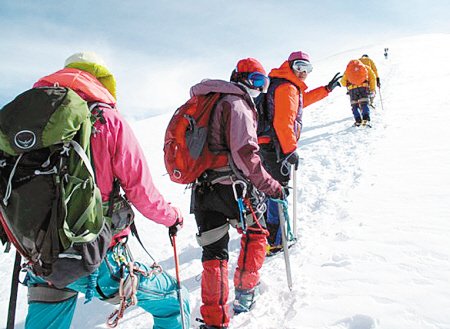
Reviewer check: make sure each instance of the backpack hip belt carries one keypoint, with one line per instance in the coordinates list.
(49, 294)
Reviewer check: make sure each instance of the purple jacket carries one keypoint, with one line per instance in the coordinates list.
(233, 129)
(116, 151)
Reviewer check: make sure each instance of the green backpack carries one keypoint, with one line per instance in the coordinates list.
(51, 207)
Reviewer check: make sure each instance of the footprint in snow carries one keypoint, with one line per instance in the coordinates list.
(338, 261)
(357, 321)
(341, 236)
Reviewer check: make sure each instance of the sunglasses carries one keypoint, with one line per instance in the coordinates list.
(302, 66)
(257, 79)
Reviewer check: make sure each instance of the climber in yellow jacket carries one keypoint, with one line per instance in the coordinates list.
(370, 63)
(360, 82)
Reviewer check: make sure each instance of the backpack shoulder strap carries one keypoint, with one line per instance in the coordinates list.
(275, 82)
(98, 113)
(77, 147)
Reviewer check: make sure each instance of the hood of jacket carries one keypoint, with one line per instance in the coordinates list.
(83, 83)
(217, 86)
(285, 72)
(99, 71)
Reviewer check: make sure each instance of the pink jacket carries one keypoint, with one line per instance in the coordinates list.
(115, 150)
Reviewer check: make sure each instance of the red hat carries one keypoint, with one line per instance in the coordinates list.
(298, 55)
(249, 65)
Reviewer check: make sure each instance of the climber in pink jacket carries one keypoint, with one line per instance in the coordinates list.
(117, 155)
(115, 149)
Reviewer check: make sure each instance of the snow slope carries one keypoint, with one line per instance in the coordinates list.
(373, 209)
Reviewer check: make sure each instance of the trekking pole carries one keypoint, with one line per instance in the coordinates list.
(14, 289)
(294, 201)
(284, 240)
(381, 99)
(177, 271)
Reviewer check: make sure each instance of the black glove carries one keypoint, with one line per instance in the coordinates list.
(293, 159)
(285, 190)
(173, 230)
(334, 82)
(378, 83)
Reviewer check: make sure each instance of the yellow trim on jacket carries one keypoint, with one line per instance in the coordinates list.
(370, 63)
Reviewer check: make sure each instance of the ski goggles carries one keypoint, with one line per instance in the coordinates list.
(302, 66)
(257, 80)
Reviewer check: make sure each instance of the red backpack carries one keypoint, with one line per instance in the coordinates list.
(186, 152)
(356, 72)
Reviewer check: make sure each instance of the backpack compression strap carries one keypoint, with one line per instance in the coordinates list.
(96, 200)
(9, 186)
(77, 147)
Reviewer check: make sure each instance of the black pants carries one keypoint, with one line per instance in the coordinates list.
(359, 100)
(282, 174)
(212, 206)
(276, 169)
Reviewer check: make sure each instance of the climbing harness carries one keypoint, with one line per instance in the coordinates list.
(247, 216)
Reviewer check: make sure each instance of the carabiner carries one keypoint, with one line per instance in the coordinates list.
(244, 188)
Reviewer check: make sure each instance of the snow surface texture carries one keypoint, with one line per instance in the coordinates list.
(373, 209)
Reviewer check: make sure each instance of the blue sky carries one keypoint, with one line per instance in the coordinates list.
(158, 49)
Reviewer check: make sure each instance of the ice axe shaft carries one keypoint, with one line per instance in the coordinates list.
(284, 241)
(294, 202)
(177, 271)
(381, 98)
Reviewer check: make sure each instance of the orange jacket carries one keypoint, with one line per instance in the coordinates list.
(288, 106)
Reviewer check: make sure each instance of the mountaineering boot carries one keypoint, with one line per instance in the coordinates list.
(357, 124)
(245, 299)
(371, 101)
(273, 250)
(366, 123)
(273, 231)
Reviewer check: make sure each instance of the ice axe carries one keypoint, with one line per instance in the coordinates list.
(381, 99)
(177, 271)
(294, 202)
